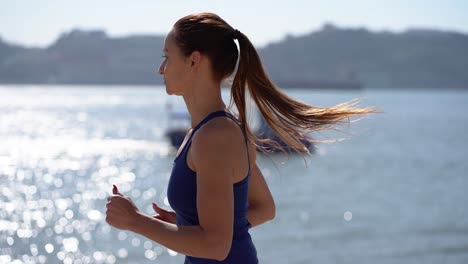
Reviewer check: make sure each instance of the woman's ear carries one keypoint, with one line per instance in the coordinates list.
(195, 59)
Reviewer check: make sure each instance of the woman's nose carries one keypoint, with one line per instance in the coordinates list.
(161, 68)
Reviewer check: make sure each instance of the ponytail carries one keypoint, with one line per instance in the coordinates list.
(289, 119)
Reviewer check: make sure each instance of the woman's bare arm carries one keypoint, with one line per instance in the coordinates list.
(215, 202)
(261, 203)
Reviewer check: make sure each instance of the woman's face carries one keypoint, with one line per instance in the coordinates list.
(175, 67)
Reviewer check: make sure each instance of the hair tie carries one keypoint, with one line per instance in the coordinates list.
(236, 34)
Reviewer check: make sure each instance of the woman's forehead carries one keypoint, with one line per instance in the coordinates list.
(169, 41)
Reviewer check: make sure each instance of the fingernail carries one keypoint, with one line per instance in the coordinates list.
(115, 187)
(154, 205)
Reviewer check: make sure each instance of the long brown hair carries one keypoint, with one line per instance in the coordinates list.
(291, 120)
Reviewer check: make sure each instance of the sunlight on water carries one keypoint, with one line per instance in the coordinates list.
(386, 196)
(348, 216)
(56, 171)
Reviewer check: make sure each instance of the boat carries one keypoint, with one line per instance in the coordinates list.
(265, 132)
(178, 125)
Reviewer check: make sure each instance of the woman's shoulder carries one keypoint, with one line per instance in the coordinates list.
(223, 131)
(214, 146)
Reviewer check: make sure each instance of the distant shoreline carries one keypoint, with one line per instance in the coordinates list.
(330, 58)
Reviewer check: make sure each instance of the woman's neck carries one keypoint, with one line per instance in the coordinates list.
(203, 102)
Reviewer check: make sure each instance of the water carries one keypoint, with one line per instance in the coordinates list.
(393, 192)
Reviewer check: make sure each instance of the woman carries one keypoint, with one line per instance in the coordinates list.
(216, 188)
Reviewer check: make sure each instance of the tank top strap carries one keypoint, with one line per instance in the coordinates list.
(208, 118)
(221, 113)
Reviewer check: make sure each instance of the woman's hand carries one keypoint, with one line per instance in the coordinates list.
(121, 211)
(164, 215)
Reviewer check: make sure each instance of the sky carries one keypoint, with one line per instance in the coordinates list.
(39, 23)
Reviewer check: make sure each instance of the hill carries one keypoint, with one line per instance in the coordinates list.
(330, 57)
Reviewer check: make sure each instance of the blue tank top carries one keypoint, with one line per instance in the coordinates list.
(182, 196)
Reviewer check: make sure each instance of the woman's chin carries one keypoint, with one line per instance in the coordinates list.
(172, 91)
(168, 90)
